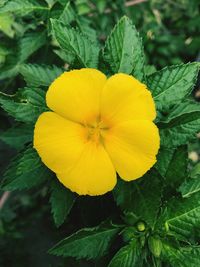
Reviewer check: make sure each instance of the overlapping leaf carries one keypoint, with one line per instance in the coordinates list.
(123, 49)
(62, 200)
(170, 85)
(26, 105)
(181, 125)
(39, 75)
(25, 171)
(141, 197)
(77, 43)
(89, 243)
(128, 256)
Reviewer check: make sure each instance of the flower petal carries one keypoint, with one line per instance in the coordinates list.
(58, 141)
(125, 98)
(75, 95)
(132, 147)
(93, 174)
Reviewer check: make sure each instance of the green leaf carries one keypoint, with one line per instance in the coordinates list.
(6, 22)
(181, 217)
(17, 136)
(68, 14)
(181, 256)
(78, 44)
(123, 49)
(177, 168)
(128, 256)
(164, 158)
(66, 57)
(26, 105)
(141, 197)
(22, 8)
(190, 186)
(181, 125)
(26, 46)
(62, 200)
(195, 171)
(25, 171)
(89, 243)
(30, 43)
(39, 75)
(172, 84)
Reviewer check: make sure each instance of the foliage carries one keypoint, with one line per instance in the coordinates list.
(153, 221)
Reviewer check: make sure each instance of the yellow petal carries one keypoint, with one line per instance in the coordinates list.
(93, 174)
(75, 95)
(58, 141)
(132, 147)
(125, 98)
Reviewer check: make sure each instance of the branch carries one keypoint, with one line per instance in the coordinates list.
(4, 198)
(134, 2)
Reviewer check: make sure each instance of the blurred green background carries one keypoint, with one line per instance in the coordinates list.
(170, 32)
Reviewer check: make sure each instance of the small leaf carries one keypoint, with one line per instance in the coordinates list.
(26, 46)
(26, 105)
(89, 243)
(68, 14)
(22, 8)
(25, 171)
(128, 256)
(123, 49)
(6, 22)
(39, 75)
(78, 44)
(172, 84)
(141, 197)
(17, 136)
(62, 200)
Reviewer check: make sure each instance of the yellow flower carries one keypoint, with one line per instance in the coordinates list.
(97, 127)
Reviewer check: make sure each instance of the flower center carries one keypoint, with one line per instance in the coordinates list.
(95, 131)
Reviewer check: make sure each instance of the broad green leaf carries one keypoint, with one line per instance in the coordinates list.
(22, 8)
(177, 168)
(190, 186)
(172, 84)
(181, 125)
(39, 75)
(62, 200)
(77, 43)
(141, 197)
(17, 136)
(188, 256)
(30, 43)
(128, 256)
(89, 243)
(26, 105)
(181, 217)
(123, 49)
(68, 14)
(25, 171)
